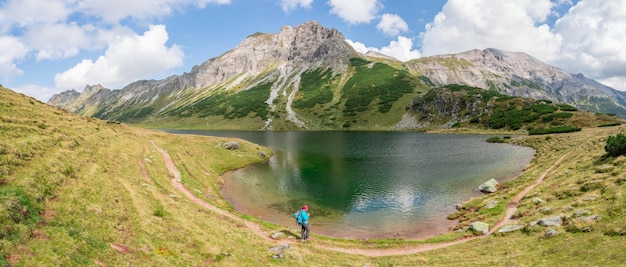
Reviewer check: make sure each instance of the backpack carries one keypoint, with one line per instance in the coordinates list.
(296, 215)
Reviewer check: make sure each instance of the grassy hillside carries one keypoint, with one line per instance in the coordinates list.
(76, 191)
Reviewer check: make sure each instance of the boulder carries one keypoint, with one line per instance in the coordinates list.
(278, 235)
(510, 228)
(537, 200)
(580, 213)
(546, 209)
(588, 219)
(551, 221)
(279, 255)
(490, 186)
(589, 198)
(551, 233)
(231, 145)
(491, 204)
(279, 248)
(479, 227)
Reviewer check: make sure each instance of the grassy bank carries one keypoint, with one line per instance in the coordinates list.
(76, 191)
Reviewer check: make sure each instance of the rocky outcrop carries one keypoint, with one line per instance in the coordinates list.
(551, 221)
(479, 227)
(231, 145)
(511, 228)
(551, 233)
(490, 186)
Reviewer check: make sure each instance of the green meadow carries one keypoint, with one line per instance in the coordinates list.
(78, 191)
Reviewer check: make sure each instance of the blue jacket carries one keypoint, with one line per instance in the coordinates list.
(303, 218)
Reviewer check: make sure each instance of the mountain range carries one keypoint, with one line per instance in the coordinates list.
(309, 77)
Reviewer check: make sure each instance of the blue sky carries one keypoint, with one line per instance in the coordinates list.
(48, 46)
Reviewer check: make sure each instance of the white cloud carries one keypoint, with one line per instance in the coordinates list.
(594, 34)
(113, 11)
(514, 25)
(127, 58)
(42, 93)
(401, 49)
(30, 12)
(617, 82)
(392, 25)
(360, 47)
(355, 11)
(12, 49)
(58, 40)
(289, 5)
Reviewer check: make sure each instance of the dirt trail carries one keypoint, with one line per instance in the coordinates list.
(510, 210)
(176, 183)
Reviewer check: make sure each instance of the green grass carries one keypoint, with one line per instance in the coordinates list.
(316, 89)
(78, 191)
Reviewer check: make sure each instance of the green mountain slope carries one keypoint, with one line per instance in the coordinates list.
(458, 106)
(369, 95)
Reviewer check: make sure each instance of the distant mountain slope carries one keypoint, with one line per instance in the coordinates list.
(308, 77)
(453, 106)
(519, 74)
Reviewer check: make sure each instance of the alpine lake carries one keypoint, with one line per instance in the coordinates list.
(367, 184)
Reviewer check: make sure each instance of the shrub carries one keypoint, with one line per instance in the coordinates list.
(616, 145)
(566, 107)
(495, 139)
(610, 124)
(159, 211)
(557, 129)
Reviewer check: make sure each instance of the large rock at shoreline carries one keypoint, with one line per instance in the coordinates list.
(490, 186)
(480, 227)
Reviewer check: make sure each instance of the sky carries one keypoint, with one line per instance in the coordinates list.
(49, 46)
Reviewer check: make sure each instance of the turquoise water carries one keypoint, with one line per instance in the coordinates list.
(368, 184)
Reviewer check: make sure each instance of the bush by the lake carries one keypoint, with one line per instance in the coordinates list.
(610, 124)
(616, 145)
(498, 139)
(557, 129)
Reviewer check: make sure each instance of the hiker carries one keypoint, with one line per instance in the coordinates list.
(303, 220)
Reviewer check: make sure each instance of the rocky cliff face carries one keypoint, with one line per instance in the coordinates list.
(306, 45)
(64, 99)
(516, 74)
(287, 63)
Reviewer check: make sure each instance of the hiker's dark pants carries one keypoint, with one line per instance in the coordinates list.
(304, 233)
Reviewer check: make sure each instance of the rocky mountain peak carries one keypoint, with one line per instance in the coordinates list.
(63, 99)
(92, 89)
(312, 29)
(307, 44)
